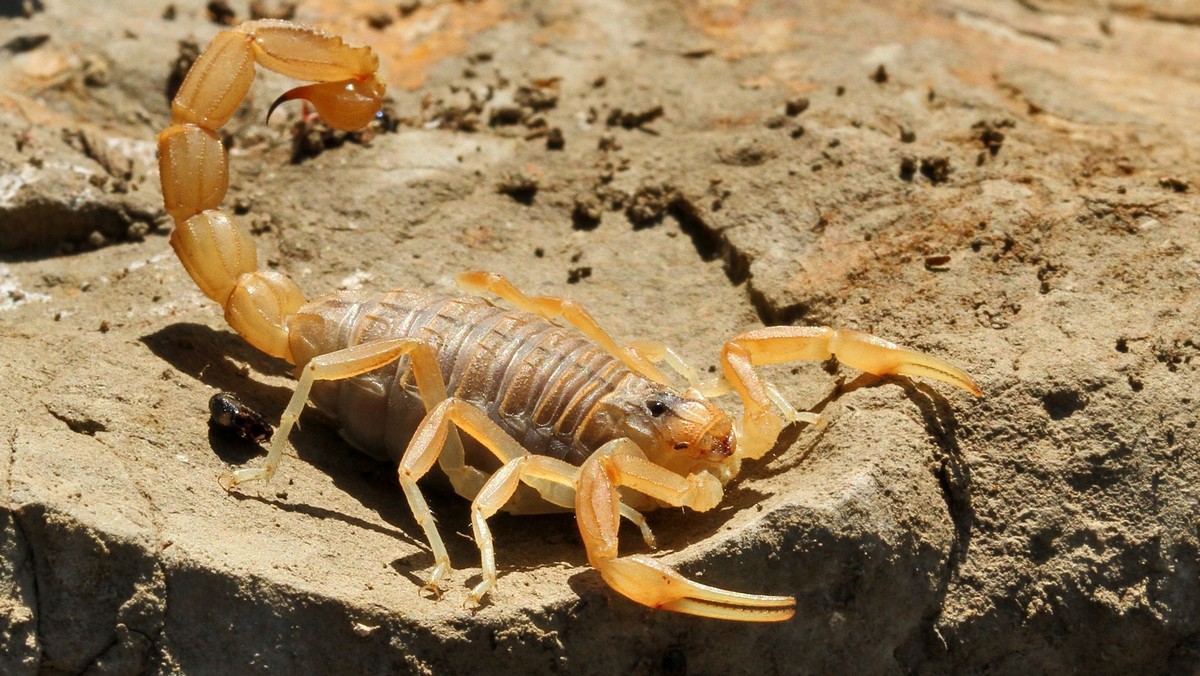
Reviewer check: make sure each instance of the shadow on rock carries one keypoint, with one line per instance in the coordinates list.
(213, 357)
(954, 472)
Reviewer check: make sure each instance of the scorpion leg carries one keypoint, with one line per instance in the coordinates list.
(641, 578)
(560, 308)
(532, 469)
(553, 479)
(760, 426)
(423, 450)
(543, 473)
(346, 363)
(715, 386)
(658, 352)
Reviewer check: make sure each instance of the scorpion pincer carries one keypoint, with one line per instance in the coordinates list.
(541, 394)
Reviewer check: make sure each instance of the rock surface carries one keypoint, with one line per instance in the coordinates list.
(1010, 185)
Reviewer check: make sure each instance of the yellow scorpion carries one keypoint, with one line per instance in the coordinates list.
(540, 393)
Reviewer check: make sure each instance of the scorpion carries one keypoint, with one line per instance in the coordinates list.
(556, 415)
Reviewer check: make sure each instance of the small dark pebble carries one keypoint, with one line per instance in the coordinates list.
(25, 43)
(880, 75)
(536, 98)
(380, 20)
(518, 185)
(936, 169)
(220, 12)
(574, 275)
(936, 263)
(587, 212)
(1174, 183)
(503, 116)
(283, 9)
(633, 119)
(795, 107)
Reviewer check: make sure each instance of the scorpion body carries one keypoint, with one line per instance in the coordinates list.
(545, 400)
(546, 386)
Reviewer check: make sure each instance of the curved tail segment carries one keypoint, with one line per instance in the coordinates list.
(215, 250)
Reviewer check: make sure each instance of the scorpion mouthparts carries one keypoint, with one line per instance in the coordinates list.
(722, 449)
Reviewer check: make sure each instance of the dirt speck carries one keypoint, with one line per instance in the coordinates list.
(936, 169)
(221, 12)
(649, 203)
(634, 119)
(1174, 184)
(519, 184)
(273, 9)
(795, 106)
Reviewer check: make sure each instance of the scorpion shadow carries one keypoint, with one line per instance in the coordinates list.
(953, 474)
(223, 361)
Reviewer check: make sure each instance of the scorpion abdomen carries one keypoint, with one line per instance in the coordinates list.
(540, 382)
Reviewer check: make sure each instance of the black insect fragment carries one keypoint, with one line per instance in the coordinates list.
(228, 413)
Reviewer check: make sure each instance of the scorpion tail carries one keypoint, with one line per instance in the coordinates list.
(215, 250)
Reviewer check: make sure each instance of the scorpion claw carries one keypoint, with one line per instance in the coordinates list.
(474, 602)
(433, 589)
(657, 585)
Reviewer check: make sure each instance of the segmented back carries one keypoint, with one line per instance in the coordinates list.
(539, 381)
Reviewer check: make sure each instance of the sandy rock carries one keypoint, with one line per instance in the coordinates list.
(1007, 185)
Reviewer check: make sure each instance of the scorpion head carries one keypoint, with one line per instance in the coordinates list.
(683, 432)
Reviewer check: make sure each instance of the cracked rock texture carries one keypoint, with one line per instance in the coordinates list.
(1010, 185)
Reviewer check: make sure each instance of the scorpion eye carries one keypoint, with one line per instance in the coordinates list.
(656, 407)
